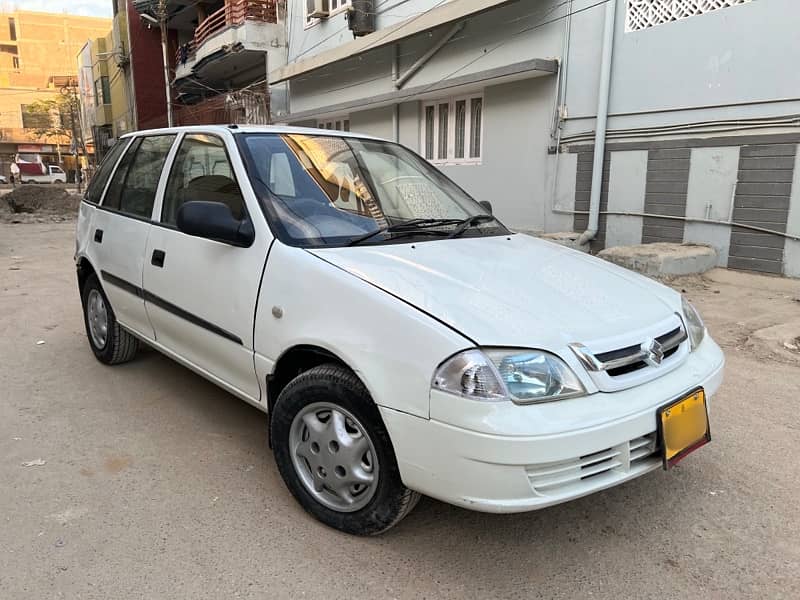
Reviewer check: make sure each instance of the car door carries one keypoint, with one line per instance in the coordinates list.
(201, 294)
(121, 226)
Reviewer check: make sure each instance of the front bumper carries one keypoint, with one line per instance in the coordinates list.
(502, 457)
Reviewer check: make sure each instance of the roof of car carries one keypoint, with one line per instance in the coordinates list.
(250, 129)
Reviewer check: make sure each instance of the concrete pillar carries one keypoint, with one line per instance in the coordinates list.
(712, 176)
(791, 252)
(626, 190)
(564, 198)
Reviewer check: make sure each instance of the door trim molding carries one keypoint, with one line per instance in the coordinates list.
(169, 307)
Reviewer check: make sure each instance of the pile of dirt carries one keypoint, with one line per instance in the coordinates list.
(37, 204)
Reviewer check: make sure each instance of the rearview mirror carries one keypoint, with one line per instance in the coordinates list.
(487, 205)
(214, 221)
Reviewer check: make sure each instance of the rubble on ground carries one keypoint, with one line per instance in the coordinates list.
(38, 204)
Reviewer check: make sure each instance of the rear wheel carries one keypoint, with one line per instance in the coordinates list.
(110, 343)
(335, 455)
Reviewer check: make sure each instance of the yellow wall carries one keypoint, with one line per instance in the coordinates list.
(46, 45)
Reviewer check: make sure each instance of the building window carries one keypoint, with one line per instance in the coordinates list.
(452, 130)
(331, 6)
(337, 123)
(15, 62)
(12, 30)
(102, 91)
(642, 14)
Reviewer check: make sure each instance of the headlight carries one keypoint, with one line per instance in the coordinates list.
(523, 376)
(694, 324)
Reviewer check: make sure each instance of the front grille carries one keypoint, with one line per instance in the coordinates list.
(557, 477)
(632, 350)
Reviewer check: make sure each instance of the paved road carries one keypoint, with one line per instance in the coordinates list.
(156, 484)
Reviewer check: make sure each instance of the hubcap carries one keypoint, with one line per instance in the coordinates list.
(97, 315)
(334, 456)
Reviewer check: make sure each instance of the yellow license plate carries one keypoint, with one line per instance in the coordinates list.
(683, 427)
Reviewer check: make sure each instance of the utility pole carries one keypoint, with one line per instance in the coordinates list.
(162, 23)
(78, 144)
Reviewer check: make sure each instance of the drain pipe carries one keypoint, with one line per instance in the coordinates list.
(395, 76)
(420, 62)
(603, 91)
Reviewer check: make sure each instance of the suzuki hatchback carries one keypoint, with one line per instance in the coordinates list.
(400, 338)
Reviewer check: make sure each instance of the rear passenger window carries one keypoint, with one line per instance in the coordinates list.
(201, 171)
(133, 188)
(98, 183)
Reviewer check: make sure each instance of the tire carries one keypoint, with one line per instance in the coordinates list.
(117, 346)
(381, 504)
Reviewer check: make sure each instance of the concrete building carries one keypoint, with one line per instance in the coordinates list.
(122, 78)
(105, 92)
(699, 114)
(219, 53)
(36, 59)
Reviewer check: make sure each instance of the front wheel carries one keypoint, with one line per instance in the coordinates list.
(334, 453)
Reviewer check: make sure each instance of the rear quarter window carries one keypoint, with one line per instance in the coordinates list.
(133, 188)
(94, 192)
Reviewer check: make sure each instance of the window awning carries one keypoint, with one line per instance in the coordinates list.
(441, 15)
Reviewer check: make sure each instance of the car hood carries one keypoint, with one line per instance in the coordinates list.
(512, 290)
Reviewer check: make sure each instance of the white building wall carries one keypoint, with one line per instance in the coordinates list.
(729, 64)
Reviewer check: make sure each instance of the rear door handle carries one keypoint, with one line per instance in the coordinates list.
(158, 258)
(98, 236)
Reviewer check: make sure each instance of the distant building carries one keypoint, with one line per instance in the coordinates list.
(503, 96)
(36, 60)
(121, 79)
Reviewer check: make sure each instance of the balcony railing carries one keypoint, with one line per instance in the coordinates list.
(234, 13)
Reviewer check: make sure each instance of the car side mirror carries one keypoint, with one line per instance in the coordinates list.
(487, 205)
(215, 221)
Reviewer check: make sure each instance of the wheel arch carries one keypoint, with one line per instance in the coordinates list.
(296, 360)
(85, 268)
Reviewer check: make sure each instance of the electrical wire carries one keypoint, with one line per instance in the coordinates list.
(377, 12)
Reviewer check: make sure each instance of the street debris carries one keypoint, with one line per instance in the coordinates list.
(59, 543)
(36, 203)
(35, 463)
(70, 514)
(40, 343)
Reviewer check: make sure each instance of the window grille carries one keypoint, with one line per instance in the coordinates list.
(643, 14)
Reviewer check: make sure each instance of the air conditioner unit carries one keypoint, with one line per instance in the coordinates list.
(317, 9)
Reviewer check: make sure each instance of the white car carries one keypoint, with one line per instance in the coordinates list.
(400, 338)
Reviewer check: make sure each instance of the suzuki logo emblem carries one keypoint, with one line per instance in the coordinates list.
(655, 352)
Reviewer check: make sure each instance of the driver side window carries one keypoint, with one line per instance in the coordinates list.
(201, 171)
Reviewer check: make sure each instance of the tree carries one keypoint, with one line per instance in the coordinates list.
(56, 119)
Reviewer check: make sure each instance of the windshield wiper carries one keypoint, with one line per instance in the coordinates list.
(470, 222)
(413, 226)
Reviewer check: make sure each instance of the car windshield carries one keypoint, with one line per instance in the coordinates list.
(325, 190)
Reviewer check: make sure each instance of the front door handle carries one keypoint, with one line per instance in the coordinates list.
(98, 236)
(158, 258)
